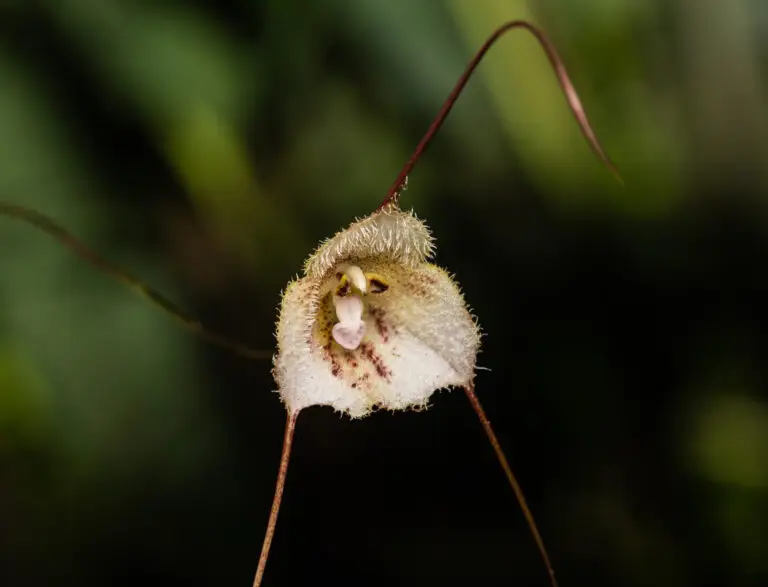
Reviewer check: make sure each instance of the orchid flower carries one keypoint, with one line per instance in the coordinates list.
(371, 323)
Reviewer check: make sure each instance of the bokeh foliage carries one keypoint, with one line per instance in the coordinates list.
(208, 145)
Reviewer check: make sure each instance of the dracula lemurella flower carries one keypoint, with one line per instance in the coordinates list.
(371, 323)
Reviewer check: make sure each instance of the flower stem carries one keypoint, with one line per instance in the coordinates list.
(290, 427)
(470, 391)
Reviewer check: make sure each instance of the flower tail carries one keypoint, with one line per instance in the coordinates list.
(470, 391)
(47, 225)
(564, 80)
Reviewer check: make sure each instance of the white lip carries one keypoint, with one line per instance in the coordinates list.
(349, 335)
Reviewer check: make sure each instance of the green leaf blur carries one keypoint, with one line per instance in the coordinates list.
(209, 145)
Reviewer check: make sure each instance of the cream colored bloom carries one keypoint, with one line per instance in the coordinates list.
(373, 324)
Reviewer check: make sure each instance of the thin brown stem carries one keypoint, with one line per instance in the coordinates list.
(470, 391)
(49, 226)
(285, 457)
(562, 77)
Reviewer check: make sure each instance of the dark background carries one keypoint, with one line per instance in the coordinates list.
(209, 145)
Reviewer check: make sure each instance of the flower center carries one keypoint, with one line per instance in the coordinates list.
(348, 303)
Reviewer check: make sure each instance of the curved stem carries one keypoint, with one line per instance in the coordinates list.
(49, 226)
(282, 473)
(470, 391)
(562, 77)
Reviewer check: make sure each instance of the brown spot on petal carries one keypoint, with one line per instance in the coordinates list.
(381, 325)
(333, 360)
(421, 284)
(363, 382)
(369, 353)
(349, 358)
(416, 289)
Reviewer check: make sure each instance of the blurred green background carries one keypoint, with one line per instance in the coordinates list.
(208, 145)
